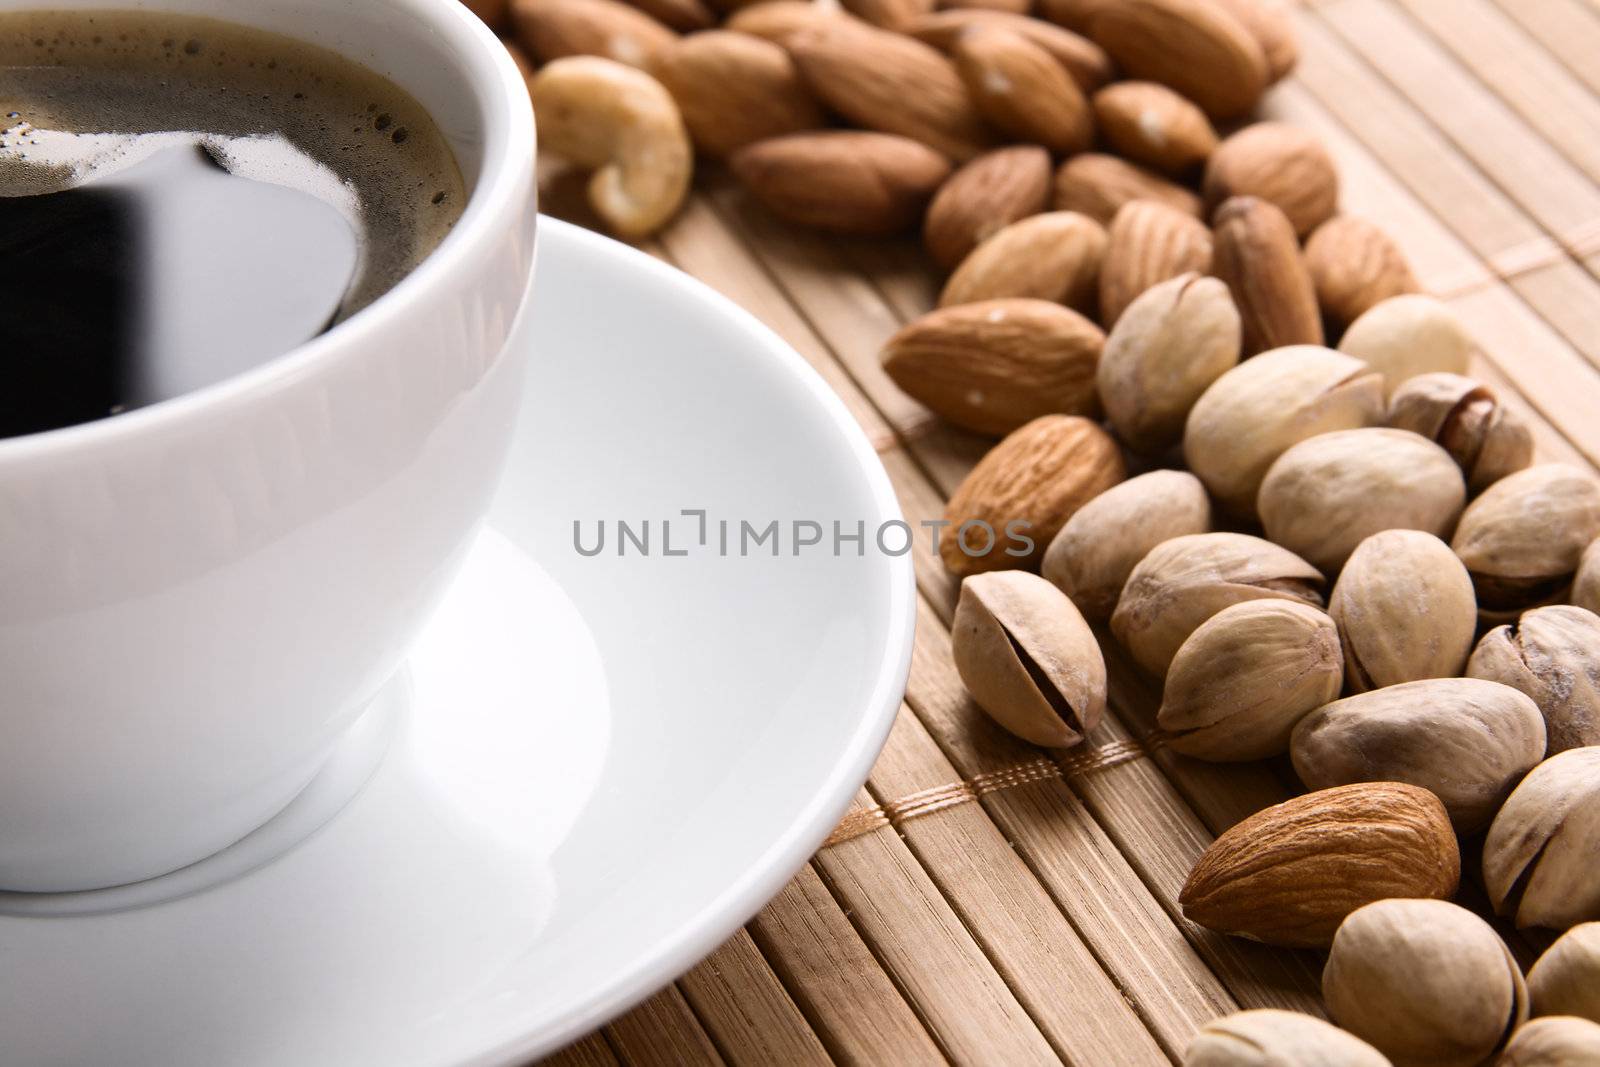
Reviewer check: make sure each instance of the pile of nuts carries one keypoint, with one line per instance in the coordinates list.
(1337, 546)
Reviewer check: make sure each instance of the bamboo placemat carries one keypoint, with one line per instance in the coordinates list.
(989, 902)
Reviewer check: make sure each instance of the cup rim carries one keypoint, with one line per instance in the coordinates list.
(501, 92)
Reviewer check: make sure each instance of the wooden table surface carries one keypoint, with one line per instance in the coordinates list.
(993, 903)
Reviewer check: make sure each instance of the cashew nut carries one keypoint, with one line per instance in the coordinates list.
(603, 114)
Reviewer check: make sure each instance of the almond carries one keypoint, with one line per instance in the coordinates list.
(1022, 91)
(1255, 252)
(1055, 256)
(990, 367)
(1288, 875)
(1024, 491)
(734, 89)
(1355, 265)
(1151, 124)
(1075, 15)
(1147, 244)
(685, 16)
(1098, 185)
(890, 83)
(845, 181)
(1086, 61)
(894, 15)
(1193, 46)
(550, 29)
(1281, 164)
(494, 14)
(779, 20)
(1269, 24)
(1005, 7)
(983, 197)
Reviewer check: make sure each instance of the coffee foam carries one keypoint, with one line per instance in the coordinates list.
(86, 94)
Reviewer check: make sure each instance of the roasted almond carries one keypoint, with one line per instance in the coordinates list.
(1098, 185)
(890, 83)
(1269, 24)
(1281, 164)
(1010, 506)
(1254, 250)
(734, 89)
(1147, 244)
(845, 181)
(550, 29)
(1289, 874)
(685, 16)
(894, 15)
(779, 20)
(1086, 61)
(983, 197)
(1150, 124)
(1055, 256)
(1194, 46)
(1075, 15)
(1022, 91)
(1354, 265)
(995, 365)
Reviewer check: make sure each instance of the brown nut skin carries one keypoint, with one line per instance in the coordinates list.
(1186, 580)
(1251, 415)
(1553, 655)
(1028, 658)
(1467, 741)
(1022, 91)
(1163, 353)
(734, 89)
(1195, 47)
(1586, 583)
(1554, 1041)
(1354, 266)
(1289, 874)
(1327, 494)
(1055, 256)
(551, 29)
(843, 181)
(1467, 419)
(1271, 1037)
(1246, 676)
(1522, 538)
(1025, 490)
(1426, 982)
(1080, 57)
(1405, 610)
(1539, 855)
(1092, 556)
(1148, 242)
(1408, 335)
(1097, 185)
(1150, 124)
(1283, 165)
(1254, 250)
(984, 197)
(1566, 979)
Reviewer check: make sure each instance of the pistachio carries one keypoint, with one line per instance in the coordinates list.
(1555, 1041)
(1028, 658)
(1408, 335)
(1252, 414)
(1466, 740)
(1269, 1037)
(1467, 419)
(1185, 581)
(1553, 655)
(1405, 610)
(1092, 556)
(1243, 679)
(1566, 979)
(1327, 494)
(1586, 583)
(1522, 538)
(1172, 342)
(1426, 982)
(1539, 855)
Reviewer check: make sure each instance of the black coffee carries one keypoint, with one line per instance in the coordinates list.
(182, 199)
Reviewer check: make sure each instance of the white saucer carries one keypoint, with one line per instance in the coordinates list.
(593, 770)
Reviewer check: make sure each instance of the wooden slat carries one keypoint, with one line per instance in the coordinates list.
(746, 1010)
(591, 1051)
(662, 1032)
(1567, 29)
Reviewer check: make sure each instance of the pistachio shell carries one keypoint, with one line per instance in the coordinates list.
(1465, 418)
(1521, 540)
(1427, 982)
(1252, 414)
(1269, 1037)
(1555, 1041)
(1408, 335)
(1243, 679)
(1185, 581)
(1166, 348)
(1098, 548)
(1539, 855)
(1028, 658)
(1405, 610)
(1566, 979)
(1467, 741)
(1553, 655)
(1327, 494)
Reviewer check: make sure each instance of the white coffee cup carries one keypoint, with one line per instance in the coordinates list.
(199, 598)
